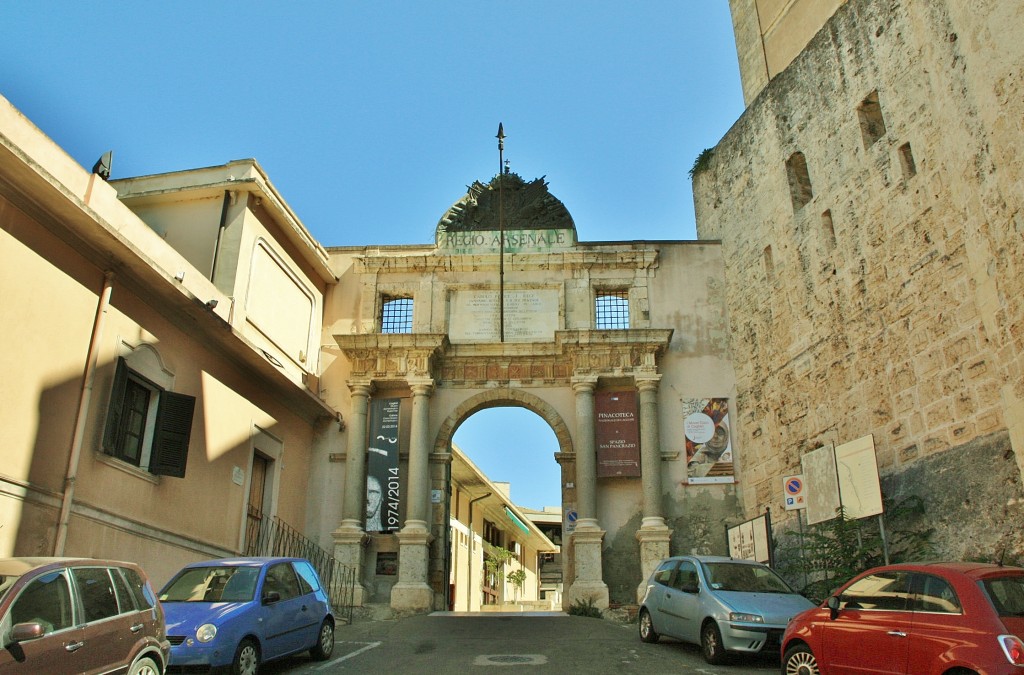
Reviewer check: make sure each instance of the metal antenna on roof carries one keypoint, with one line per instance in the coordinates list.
(501, 233)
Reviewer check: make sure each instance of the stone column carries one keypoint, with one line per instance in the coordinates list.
(350, 539)
(412, 593)
(587, 538)
(653, 534)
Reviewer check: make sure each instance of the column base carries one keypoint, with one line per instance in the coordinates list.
(350, 550)
(654, 537)
(589, 584)
(412, 594)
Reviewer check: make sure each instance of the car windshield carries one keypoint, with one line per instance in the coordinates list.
(212, 584)
(1006, 593)
(731, 576)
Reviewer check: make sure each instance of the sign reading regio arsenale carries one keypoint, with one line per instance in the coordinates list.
(531, 315)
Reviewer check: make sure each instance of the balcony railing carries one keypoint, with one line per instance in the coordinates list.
(269, 536)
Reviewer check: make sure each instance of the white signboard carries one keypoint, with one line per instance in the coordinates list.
(846, 476)
(859, 491)
(822, 484)
(749, 540)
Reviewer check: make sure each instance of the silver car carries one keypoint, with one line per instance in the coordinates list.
(722, 604)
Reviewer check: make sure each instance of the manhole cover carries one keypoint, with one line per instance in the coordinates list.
(510, 660)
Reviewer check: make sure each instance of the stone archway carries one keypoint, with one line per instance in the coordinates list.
(496, 398)
(442, 453)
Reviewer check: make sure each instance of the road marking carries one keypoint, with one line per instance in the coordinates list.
(367, 646)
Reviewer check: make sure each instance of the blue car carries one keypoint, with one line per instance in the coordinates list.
(236, 613)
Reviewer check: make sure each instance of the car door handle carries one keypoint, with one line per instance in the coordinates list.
(897, 633)
(74, 646)
(304, 608)
(137, 627)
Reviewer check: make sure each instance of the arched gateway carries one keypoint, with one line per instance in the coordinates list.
(614, 344)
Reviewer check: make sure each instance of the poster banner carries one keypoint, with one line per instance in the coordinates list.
(617, 434)
(382, 485)
(708, 445)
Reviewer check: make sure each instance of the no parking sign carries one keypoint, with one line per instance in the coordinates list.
(794, 492)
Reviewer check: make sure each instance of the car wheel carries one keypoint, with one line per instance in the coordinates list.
(799, 660)
(647, 632)
(247, 658)
(711, 644)
(145, 666)
(324, 646)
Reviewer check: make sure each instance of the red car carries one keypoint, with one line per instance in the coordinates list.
(923, 619)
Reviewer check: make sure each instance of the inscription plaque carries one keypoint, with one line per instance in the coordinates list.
(531, 315)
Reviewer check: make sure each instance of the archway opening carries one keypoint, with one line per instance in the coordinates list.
(506, 514)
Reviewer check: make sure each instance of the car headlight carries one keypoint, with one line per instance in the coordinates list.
(206, 632)
(746, 618)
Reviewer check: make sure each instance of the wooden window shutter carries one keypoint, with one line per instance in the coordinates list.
(170, 439)
(114, 430)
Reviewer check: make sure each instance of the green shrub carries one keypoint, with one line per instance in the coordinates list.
(585, 607)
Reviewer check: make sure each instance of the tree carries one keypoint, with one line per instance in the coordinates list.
(518, 579)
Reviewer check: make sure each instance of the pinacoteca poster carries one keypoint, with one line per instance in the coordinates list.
(617, 434)
(708, 443)
(382, 479)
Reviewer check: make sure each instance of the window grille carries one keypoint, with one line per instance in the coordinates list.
(396, 315)
(612, 310)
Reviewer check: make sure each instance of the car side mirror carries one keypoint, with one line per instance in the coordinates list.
(271, 597)
(690, 588)
(833, 606)
(30, 630)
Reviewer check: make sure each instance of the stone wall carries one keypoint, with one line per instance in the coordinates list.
(868, 203)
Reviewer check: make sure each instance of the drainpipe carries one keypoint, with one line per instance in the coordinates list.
(84, 397)
(220, 231)
(469, 563)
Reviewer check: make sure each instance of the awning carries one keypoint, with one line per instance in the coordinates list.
(522, 526)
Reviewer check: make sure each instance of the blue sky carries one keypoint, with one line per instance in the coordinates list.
(372, 117)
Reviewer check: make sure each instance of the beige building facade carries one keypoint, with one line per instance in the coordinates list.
(869, 207)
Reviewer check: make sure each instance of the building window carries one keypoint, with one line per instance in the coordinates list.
(799, 180)
(146, 425)
(769, 264)
(396, 315)
(872, 125)
(828, 229)
(907, 161)
(611, 310)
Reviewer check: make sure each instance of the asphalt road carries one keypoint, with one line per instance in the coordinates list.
(508, 644)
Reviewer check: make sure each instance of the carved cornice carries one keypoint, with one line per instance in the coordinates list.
(607, 257)
(574, 353)
(392, 356)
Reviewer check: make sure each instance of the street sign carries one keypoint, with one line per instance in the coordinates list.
(794, 492)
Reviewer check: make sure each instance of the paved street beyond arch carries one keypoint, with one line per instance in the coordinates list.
(507, 643)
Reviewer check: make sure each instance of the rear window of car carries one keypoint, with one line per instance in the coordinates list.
(96, 591)
(307, 577)
(1006, 594)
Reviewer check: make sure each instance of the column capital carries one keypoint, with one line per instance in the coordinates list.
(421, 387)
(584, 383)
(648, 383)
(360, 387)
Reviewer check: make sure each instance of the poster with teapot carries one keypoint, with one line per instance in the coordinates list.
(708, 443)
